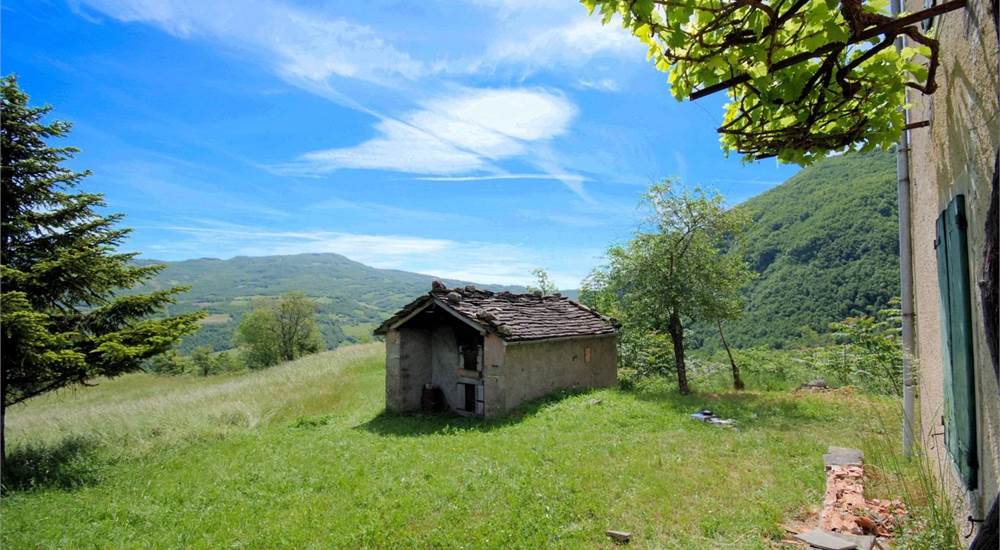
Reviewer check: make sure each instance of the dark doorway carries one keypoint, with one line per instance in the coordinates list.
(470, 398)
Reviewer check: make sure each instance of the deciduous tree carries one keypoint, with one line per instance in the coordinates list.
(678, 270)
(279, 330)
(545, 284)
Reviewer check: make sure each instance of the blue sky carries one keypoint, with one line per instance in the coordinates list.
(473, 140)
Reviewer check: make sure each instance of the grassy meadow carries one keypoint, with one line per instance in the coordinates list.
(302, 456)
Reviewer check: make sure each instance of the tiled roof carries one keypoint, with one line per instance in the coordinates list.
(513, 317)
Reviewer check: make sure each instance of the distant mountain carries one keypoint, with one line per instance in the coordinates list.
(352, 297)
(825, 246)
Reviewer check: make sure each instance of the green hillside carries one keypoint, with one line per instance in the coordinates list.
(352, 297)
(825, 245)
(302, 455)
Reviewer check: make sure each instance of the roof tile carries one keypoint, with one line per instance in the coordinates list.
(513, 317)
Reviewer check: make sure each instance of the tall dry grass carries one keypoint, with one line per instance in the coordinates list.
(137, 412)
(916, 480)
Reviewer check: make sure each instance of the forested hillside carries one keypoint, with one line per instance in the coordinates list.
(352, 297)
(825, 246)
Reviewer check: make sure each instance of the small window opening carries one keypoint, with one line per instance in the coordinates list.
(470, 356)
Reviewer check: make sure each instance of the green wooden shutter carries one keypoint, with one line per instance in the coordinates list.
(956, 324)
(948, 414)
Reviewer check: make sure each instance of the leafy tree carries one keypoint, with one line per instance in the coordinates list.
(545, 285)
(804, 77)
(258, 338)
(169, 363)
(204, 361)
(201, 358)
(64, 321)
(679, 271)
(279, 330)
(872, 356)
(226, 361)
(642, 352)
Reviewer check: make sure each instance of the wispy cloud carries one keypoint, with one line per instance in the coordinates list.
(479, 261)
(466, 133)
(458, 135)
(600, 84)
(570, 219)
(503, 176)
(569, 39)
(377, 210)
(170, 181)
(242, 239)
(308, 46)
(297, 43)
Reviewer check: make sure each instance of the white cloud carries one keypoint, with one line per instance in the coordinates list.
(477, 261)
(300, 44)
(538, 35)
(455, 134)
(488, 177)
(465, 133)
(399, 147)
(384, 211)
(601, 84)
(572, 43)
(241, 240)
(309, 46)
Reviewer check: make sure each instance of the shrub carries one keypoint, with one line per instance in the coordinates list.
(170, 363)
(645, 353)
(872, 357)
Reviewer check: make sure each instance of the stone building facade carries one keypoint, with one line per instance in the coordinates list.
(486, 352)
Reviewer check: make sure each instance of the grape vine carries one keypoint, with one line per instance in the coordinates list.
(804, 77)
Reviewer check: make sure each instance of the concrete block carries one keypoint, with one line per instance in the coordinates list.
(842, 456)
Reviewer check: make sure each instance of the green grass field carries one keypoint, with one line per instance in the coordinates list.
(302, 456)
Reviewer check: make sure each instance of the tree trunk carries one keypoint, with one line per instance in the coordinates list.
(677, 337)
(737, 381)
(3, 441)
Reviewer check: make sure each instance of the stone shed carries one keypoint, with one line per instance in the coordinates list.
(482, 353)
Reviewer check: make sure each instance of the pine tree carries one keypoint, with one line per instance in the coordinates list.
(64, 317)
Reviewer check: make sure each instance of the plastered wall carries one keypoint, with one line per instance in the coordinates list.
(534, 369)
(953, 156)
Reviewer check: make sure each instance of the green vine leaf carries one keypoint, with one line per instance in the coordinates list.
(804, 77)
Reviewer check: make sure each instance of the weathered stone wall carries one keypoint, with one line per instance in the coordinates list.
(512, 373)
(446, 362)
(953, 156)
(407, 367)
(418, 356)
(536, 368)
